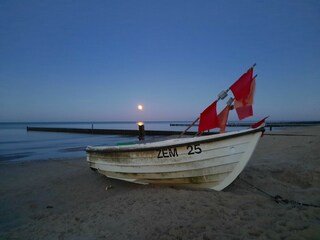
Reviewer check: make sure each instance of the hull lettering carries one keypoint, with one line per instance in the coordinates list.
(167, 153)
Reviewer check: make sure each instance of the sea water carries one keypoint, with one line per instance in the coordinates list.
(18, 144)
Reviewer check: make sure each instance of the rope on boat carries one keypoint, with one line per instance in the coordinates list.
(279, 199)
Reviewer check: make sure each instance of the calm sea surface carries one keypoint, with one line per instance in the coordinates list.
(17, 144)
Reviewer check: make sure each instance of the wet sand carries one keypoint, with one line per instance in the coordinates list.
(64, 199)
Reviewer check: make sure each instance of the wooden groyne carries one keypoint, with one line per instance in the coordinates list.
(268, 124)
(108, 131)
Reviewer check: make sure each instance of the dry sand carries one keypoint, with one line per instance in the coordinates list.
(64, 199)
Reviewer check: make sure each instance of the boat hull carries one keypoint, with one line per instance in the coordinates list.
(207, 162)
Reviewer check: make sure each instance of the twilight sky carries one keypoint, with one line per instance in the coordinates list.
(76, 60)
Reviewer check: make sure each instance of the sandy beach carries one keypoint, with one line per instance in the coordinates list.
(64, 199)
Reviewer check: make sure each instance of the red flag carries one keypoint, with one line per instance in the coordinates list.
(208, 118)
(258, 124)
(243, 90)
(222, 118)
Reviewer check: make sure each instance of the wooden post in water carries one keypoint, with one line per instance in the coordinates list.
(141, 124)
(141, 131)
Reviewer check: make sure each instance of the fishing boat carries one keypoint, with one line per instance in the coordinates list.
(205, 161)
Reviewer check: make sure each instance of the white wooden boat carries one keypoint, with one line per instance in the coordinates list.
(212, 161)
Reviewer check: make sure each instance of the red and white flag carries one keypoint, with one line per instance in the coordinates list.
(243, 90)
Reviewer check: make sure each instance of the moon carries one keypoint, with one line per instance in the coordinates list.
(140, 107)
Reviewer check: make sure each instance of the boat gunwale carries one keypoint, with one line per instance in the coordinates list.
(153, 148)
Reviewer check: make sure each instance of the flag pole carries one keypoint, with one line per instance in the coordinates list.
(192, 124)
